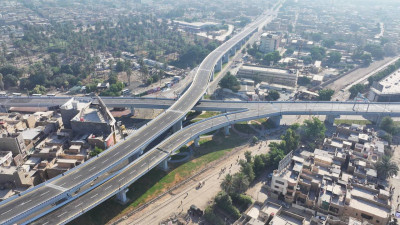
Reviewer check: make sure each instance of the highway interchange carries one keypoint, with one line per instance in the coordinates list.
(61, 187)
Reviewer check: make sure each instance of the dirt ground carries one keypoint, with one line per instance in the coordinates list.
(180, 200)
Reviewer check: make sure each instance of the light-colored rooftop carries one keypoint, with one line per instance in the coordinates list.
(390, 84)
(369, 207)
(267, 70)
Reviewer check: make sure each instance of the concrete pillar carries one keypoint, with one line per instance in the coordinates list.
(226, 130)
(276, 120)
(121, 196)
(331, 118)
(225, 58)
(212, 75)
(164, 165)
(377, 119)
(132, 110)
(197, 142)
(218, 66)
(176, 127)
(232, 51)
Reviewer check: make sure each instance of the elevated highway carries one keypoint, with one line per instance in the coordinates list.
(160, 153)
(63, 187)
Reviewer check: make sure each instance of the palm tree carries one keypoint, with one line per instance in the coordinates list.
(386, 168)
(227, 184)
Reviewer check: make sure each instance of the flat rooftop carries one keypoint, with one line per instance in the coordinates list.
(267, 70)
(389, 84)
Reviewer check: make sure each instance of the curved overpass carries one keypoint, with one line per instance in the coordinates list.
(63, 186)
(162, 151)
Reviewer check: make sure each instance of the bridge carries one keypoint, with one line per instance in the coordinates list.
(160, 154)
(65, 187)
(71, 194)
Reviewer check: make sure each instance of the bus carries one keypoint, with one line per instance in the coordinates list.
(36, 95)
(16, 94)
(51, 95)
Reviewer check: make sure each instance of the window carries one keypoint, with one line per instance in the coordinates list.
(279, 182)
(277, 187)
(365, 216)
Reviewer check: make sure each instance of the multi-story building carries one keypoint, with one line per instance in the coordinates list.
(269, 42)
(339, 180)
(386, 90)
(269, 75)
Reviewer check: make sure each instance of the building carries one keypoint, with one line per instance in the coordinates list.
(386, 90)
(269, 75)
(338, 181)
(12, 142)
(269, 42)
(195, 26)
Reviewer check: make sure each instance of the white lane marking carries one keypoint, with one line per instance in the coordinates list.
(132, 172)
(108, 187)
(105, 161)
(121, 179)
(79, 205)
(152, 157)
(45, 193)
(6, 212)
(153, 128)
(92, 168)
(94, 195)
(127, 147)
(146, 134)
(45, 223)
(142, 165)
(61, 214)
(77, 176)
(135, 140)
(116, 153)
(57, 187)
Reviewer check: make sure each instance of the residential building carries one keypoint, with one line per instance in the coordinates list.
(269, 75)
(269, 42)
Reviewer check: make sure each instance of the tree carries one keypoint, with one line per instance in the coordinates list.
(273, 95)
(313, 130)
(358, 88)
(39, 89)
(230, 82)
(328, 43)
(388, 125)
(290, 141)
(227, 184)
(325, 94)
(1, 82)
(240, 183)
(375, 50)
(289, 52)
(120, 66)
(366, 59)
(259, 164)
(386, 168)
(318, 53)
(275, 156)
(129, 74)
(247, 169)
(224, 202)
(248, 157)
(334, 57)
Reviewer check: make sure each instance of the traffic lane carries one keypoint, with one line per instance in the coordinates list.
(83, 203)
(122, 151)
(33, 200)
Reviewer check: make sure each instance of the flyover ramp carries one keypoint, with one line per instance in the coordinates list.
(164, 150)
(61, 187)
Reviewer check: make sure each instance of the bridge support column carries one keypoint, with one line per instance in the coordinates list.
(218, 66)
(330, 119)
(121, 196)
(164, 165)
(232, 51)
(377, 119)
(226, 130)
(197, 142)
(212, 76)
(132, 110)
(276, 120)
(177, 126)
(225, 58)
